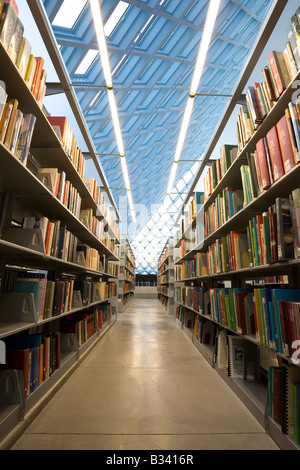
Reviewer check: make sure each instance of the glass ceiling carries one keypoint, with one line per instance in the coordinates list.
(152, 46)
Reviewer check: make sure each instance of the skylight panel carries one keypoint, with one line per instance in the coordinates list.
(68, 13)
(86, 62)
(115, 17)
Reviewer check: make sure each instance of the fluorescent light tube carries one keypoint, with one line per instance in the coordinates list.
(131, 205)
(172, 177)
(101, 41)
(204, 44)
(125, 173)
(116, 123)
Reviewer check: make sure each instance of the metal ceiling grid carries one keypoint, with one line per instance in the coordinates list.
(152, 50)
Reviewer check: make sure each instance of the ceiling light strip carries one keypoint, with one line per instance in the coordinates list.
(199, 66)
(101, 39)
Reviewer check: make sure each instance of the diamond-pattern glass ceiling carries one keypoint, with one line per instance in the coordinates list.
(152, 46)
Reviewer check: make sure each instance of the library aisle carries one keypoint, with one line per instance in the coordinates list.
(145, 387)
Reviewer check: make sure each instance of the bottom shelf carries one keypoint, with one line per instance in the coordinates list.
(14, 419)
(252, 394)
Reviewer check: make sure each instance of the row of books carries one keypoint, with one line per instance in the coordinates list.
(126, 275)
(38, 356)
(67, 194)
(164, 300)
(128, 258)
(192, 210)
(163, 262)
(19, 49)
(185, 316)
(188, 296)
(104, 314)
(98, 197)
(280, 70)
(270, 315)
(16, 127)
(165, 290)
(228, 203)
(218, 168)
(193, 237)
(81, 324)
(67, 138)
(61, 243)
(275, 155)
(96, 227)
(269, 237)
(53, 297)
(195, 267)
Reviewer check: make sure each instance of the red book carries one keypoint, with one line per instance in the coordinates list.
(60, 121)
(240, 312)
(275, 154)
(263, 165)
(37, 76)
(285, 144)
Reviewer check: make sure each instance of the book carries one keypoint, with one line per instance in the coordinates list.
(296, 126)
(23, 57)
(15, 41)
(269, 84)
(30, 72)
(37, 76)
(263, 164)
(8, 22)
(13, 130)
(285, 144)
(296, 206)
(275, 154)
(279, 71)
(25, 137)
(285, 234)
(3, 98)
(11, 106)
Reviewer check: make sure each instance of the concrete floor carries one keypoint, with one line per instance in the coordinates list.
(145, 387)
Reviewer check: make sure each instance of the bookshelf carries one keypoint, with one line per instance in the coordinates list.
(237, 285)
(165, 277)
(74, 301)
(126, 277)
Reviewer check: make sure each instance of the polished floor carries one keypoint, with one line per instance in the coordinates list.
(145, 387)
